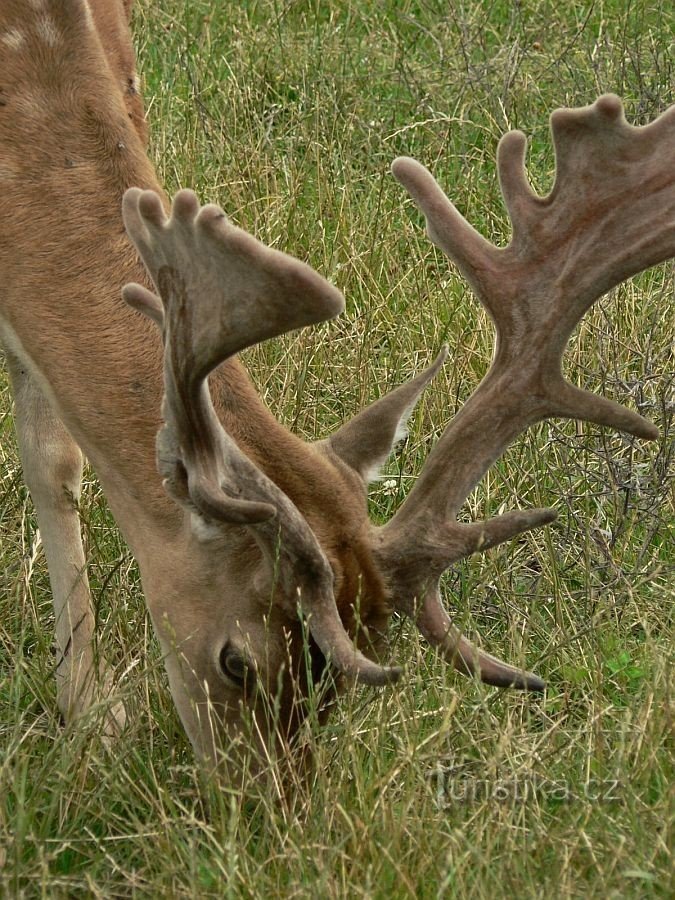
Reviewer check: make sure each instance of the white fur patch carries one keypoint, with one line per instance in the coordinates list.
(48, 32)
(88, 17)
(204, 531)
(13, 38)
(372, 473)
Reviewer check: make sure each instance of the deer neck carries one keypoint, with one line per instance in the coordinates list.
(97, 361)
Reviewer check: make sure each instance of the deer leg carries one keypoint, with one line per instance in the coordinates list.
(52, 466)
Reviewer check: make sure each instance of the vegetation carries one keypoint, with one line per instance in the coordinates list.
(288, 115)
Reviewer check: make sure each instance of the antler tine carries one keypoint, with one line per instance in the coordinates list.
(610, 214)
(435, 625)
(220, 291)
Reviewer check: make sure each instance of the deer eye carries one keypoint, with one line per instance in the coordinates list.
(236, 667)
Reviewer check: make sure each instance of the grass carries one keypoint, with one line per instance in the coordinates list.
(289, 115)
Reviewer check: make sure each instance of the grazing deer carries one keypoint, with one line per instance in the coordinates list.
(258, 561)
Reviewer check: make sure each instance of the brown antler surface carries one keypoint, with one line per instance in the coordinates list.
(611, 214)
(220, 291)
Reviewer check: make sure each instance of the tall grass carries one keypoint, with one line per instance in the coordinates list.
(288, 115)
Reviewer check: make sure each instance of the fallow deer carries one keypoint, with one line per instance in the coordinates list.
(258, 561)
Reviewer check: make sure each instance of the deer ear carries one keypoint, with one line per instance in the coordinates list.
(365, 442)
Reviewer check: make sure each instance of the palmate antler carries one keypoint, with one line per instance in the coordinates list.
(611, 214)
(220, 291)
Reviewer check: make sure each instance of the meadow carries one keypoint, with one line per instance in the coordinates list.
(288, 114)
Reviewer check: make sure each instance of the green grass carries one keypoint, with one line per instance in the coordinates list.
(288, 115)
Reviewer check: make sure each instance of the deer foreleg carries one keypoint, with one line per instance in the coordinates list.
(52, 465)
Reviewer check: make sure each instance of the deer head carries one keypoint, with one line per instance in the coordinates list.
(220, 291)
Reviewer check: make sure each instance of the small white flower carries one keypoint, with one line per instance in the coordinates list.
(389, 487)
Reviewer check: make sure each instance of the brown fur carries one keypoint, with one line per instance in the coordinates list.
(63, 268)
